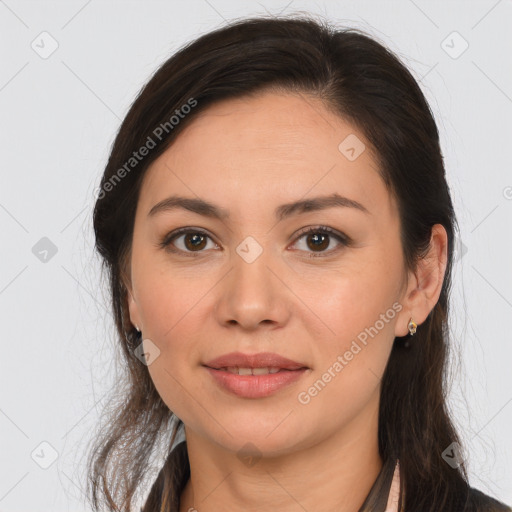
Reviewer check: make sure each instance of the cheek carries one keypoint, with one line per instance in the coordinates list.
(172, 308)
(168, 300)
(350, 364)
(358, 311)
(172, 327)
(351, 303)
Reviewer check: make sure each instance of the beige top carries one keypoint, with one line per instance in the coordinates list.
(394, 491)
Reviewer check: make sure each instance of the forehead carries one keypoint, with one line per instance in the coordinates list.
(269, 122)
(252, 149)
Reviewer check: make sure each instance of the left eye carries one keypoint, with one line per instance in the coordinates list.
(194, 240)
(319, 238)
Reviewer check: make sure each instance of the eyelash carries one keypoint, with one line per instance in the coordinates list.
(344, 240)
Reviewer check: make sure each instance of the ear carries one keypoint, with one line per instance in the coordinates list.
(425, 283)
(133, 307)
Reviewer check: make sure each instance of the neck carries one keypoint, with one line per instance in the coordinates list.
(334, 474)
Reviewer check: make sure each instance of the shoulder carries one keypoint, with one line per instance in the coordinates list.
(483, 502)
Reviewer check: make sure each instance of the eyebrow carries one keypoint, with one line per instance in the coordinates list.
(207, 209)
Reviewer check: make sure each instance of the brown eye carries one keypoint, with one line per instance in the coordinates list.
(193, 241)
(186, 241)
(318, 239)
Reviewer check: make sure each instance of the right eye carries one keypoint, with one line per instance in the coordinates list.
(194, 241)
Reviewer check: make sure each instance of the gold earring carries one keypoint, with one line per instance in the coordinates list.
(412, 327)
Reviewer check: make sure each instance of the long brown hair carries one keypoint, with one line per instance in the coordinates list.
(364, 83)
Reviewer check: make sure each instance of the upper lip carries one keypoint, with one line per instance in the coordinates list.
(261, 360)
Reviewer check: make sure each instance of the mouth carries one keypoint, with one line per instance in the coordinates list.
(253, 364)
(252, 383)
(237, 370)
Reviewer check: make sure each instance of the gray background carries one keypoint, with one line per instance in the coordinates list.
(59, 115)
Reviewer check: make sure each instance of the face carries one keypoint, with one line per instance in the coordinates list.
(255, 281)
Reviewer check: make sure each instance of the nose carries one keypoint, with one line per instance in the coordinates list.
(254, 293)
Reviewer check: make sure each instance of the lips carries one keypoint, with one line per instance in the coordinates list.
(255, 386)
(261, 360)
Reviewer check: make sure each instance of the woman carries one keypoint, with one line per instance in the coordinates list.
(278, 234)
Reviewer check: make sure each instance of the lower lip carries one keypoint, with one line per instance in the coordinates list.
(255, 386)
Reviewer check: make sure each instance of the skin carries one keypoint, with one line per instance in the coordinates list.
(249, 156)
